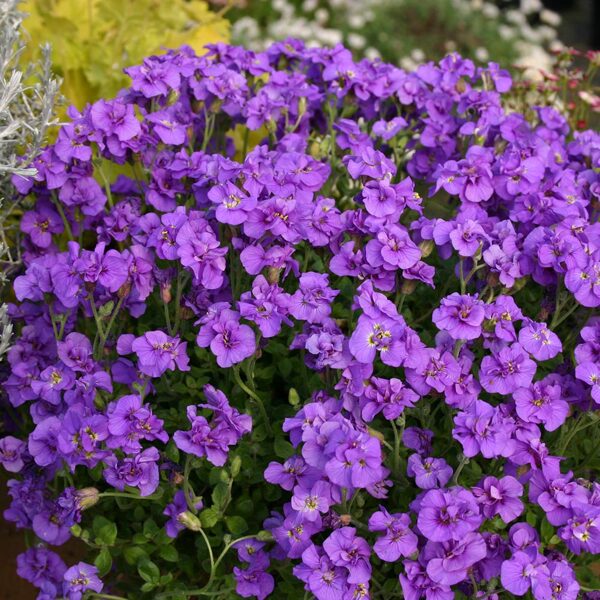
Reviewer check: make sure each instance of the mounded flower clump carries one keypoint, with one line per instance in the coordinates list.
(332, 315)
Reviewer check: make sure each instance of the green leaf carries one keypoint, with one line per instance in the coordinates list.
(283, 449)
(134, 554)
(148, 571)
(169, 553)
(150, 528)
(237, 525)
(220, 496)
(103, 562)
(105, 531)
(547, 531)
(209, 517)
(148, 586)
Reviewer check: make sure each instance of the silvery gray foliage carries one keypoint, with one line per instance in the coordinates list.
(27, 100)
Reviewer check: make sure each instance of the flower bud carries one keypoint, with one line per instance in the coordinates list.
(426, 247)
(124, 290)
(264, 536)
(273, 275)
(345, 519)
(165, 293)
(87, 497)
(189, 520)
(408, 286)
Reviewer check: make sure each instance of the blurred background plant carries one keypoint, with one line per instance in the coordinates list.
(28, 94)
(93, 40)
(406, 32)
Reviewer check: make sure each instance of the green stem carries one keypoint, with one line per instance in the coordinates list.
(105, 596)
(255, 397)
(463, 461)
(65, 221)
(104, 336)
(130, 496)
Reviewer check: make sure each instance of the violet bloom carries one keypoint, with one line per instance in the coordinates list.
(294, 471)
(500, 497)
(39, 566)
(460, 316)
(253, 581)
(389, 396)
(157, 352)
(417, 583)
(345, 549)
(322, 577)
(448, 562)
(233, 205)
(428, 472)
(398, 539)
(175, 510)
(384, 336)
(229, 341)
(539, 341)
(590, 374)
(76, 352)
(43, 442)
(559, 584)
(139, 471)
(310, 502)
(79, 579)
(504, 372)
(418, 439)
(41, 223)
(481, 428)
(581, 533)
(129, 421)
(312, 301)
(518, 573)
(542, 402)
(356, 462)
(392, 250)
(12, 452)
(448, 515)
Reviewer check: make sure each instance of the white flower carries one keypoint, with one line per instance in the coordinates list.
(550, 17)
(356, 41)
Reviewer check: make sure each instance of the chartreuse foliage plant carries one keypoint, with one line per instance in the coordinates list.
(93, 40)
(359, 359)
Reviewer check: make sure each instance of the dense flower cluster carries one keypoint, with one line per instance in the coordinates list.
(415, 262)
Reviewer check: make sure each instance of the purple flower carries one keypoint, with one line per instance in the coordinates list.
(429, 472)
(40, 224)
(539, 341)
(229, 341)
(448, 515)
(176, 511)
(520, 571)
(448, 562)
(392, 250)
(460, 316)
(500, 497)
(312, 301)
(157, 352)
(345, 549)
(398, 539)
(139, 471)
(541, 402)
(12, 453)
(233, 205)
(504, 372)
(310, 502)
(590, 374)
(559, 584)
(40, 567)
(129, 421)
(43, 442)
(81, 578)
(253, 581)
(389, 396)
